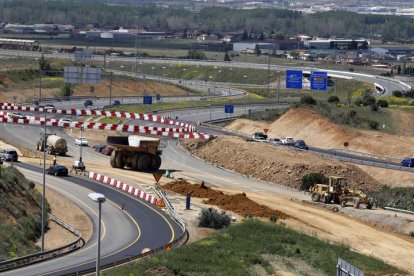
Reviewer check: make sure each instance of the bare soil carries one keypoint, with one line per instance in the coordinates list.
(276, 164)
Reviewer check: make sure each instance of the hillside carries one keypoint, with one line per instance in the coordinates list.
(19, 214)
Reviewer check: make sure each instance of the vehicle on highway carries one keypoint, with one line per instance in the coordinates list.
(65, 121)
(288, 141)
(17, 115)
(9, 155)
(78, 165)
(88, 103)
(1, 161)
(99, 147)
(259, 137)
(57, 170)
(275, 141)
(107, 151)
(300, 144)
(408, 162)
(54, 144)
(49, 106)
(116, 102)
(81, 141)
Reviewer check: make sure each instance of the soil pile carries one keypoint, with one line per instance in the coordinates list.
(238, 203)
(318, 131)
(279, 165)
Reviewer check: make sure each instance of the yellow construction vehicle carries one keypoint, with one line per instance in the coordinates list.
(337, 191)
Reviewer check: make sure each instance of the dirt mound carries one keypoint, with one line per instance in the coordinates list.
(238, 203)
(318, 131)
(276, 164)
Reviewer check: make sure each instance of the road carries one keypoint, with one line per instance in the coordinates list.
(124, 233)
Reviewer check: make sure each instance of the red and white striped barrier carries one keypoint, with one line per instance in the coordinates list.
(123, 186)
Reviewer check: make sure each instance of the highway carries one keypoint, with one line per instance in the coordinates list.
(124, 233)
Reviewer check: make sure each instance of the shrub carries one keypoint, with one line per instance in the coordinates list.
(308, 180)
(352, 113)
(368, 100)
(307, 100)
(351, 69)
(333, 99)
(211, 218)
(373, 124)
(382, 103)
(374, 107)
(397, 93)
(411, 102)
(358, 102)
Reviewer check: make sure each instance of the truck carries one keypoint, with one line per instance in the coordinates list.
(54, 144)
(140, 153)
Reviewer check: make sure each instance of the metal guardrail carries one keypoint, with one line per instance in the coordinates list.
(46, 255)
(367, 155)
(170, 208)
(343, 268)
(399, 210)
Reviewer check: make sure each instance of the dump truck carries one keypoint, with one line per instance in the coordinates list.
(140, 153)
(54, 144)
(337, 191)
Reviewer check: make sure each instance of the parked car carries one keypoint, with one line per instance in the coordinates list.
(57, 170)
(107, 151)
(88, 103)
(9, 155)
(288, 141)
(81, 141)
(407, 162)
(259, 137)
(49, 106)
(78, 165)
(275, 141)
(65, 120)
(99, 147)
(300, 144)
(116, 102)
(17, 115)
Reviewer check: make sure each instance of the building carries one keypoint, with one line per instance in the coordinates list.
(337, 44)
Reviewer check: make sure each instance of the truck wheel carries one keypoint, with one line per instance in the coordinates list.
(118, 160)
(113, 157)
(316, 197)
(326, 199)
(135, 162)
(143, 163)
(155, 162)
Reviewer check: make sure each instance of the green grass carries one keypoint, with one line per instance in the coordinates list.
(238, 249)
(268, 115)
(399, 197)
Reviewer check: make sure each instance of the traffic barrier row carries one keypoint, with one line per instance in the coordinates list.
(123, 186)
(114, 127)
(88, 112)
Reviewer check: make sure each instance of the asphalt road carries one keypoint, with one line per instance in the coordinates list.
(124, 233)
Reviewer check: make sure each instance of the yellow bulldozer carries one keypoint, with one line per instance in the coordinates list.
(336, 191)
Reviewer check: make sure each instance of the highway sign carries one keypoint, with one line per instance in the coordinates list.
(77, 74)
(228, 108)
(294, 79)
(82, 55)
(72, 74)
(265, 130)
(319, 80)
(147, 100)
(157, 176)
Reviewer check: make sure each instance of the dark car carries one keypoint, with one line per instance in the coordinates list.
(9, 155)
(300, 144)
(99, 147)
(107, 150)
(407, 162)
(88, 103)
(116, 102)
(1, 161)
(57, 170)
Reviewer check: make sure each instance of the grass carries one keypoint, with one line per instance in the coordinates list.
(240, 248)
(268, 115)
(400, 197)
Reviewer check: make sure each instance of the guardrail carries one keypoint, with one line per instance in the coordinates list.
(161, 194)
(46, 255)
(367, 155)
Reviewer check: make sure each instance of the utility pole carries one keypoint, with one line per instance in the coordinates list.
(40, 84)
(44, 182)
(278, 88)
(268, 75)
(110, 88)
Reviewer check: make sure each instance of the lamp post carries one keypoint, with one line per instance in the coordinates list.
(100, 198)
(245, 95)
(209, 94)
(81, 143)
(44, 182)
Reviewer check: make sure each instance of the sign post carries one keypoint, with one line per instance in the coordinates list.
(294, 79)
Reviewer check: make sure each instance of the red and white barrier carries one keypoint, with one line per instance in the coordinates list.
(123, 186)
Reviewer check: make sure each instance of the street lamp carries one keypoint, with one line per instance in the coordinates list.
(81, 143)
(42, 232)
(100, 198)
(245, 95)
(209, 94)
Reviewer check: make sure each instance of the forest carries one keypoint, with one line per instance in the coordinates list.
(282, 23)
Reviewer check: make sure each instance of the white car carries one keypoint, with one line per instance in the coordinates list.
(81, 141)
(275, 141)
(288, 141)
(64, 121)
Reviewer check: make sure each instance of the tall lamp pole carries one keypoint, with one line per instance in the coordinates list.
(100, 198)
(81, 143)
(44, 181)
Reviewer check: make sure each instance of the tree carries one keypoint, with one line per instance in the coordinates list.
(227, 56)
(66, 91)
(262, 36)
(309, 180)
(245, 35)
(397, 93)
(306, 99)
(382, 103)
(368, 100)
(195, 54)
(333, 99)
(44, 64)
(257, 50)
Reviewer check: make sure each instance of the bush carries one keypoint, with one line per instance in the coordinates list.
(382, 103)
(373, 124)
(210, 218)
(358, 102)
(368, 100)
(411, 102)
(308, 180)
(333, 99)
(307, 100)
(374, 107)
(397, 93)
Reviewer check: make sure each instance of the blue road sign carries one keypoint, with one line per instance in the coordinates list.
(147, 99)
(229, 108)
(294, 79)
(319, 80)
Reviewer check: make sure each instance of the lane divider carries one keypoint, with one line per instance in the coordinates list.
(123, 186)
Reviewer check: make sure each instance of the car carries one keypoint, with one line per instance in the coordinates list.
(17, 115)
(407, 162)
(99, 147)
(116, 102)
(259, 137)
(78, 165)
(88, 103)
(49, 106)
(275, 141)
(107, 151)
(300, 144)
(288, 141)
(9, 155)
(1, 161)
(64, 121)
(57, 170)
(81, 141)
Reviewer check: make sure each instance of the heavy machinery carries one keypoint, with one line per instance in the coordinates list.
(337, 191)
(54, 144)
(137, 152)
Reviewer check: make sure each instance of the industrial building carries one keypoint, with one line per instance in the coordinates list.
(337, 44)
